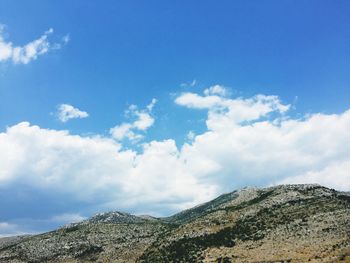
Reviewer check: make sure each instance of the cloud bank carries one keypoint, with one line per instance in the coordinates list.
(248, 141)
(30, 51)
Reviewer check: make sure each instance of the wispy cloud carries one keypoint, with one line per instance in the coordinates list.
(189, 84)
(67, 112)
(144, 120)
(30, 51)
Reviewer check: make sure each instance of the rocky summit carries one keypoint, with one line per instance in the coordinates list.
(288, 223)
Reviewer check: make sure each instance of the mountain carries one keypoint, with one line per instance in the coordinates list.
(115, 217)
(287, 223)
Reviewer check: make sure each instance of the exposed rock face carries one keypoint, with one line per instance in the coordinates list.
(292, 223)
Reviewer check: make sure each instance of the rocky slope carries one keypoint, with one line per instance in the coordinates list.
(291, 223)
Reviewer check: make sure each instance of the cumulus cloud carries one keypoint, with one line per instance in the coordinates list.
(227, 111)
(248, 141)
(95, 169)
(67, 112)
(30, 51)
(143, 121)
(252, 140)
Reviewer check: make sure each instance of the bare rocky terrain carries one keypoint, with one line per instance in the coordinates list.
(288, 223)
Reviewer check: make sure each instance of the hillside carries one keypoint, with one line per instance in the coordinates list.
(289, 223)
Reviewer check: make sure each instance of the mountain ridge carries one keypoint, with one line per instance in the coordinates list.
(275, 224)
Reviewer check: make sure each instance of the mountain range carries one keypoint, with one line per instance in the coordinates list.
(286, 223)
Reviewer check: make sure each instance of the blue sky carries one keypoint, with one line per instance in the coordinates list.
(204, 63)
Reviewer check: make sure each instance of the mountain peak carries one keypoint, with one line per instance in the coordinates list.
(115, 217)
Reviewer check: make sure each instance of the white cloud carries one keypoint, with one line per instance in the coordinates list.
(243, 145)
(67, 112)
(30, 51)
(226, 111)
(67, 218)
(66, 39)
(9, 229)
(189, 84)
(335, 175)
(191, 135)
(94, 169)
(144, 120)
(151, 105)
(251, 140)
(216, 90)
(6, 226)
(195, 101)
(121, 131)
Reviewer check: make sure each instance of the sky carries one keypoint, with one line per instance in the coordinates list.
(151, 107)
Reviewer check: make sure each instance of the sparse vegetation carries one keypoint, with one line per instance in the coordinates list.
(286, 223)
